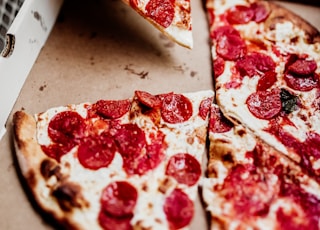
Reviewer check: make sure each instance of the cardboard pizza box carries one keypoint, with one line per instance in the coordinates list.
(24, 28)
(102, 49)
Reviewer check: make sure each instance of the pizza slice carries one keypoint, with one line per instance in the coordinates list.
(267, 75)
(172, 18)
(250, 185)
(116, 164)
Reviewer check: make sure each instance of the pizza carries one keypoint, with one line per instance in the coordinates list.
(249, 148)
(267, 75)
(250, 185)
(172, 18)
(117, 164)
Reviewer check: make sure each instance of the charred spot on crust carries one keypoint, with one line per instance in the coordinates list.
(227, 158)
(69, 196)
(31, 178)
(49, 168)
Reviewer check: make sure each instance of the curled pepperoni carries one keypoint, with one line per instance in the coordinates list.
(255, 64)
(179, 209)
(66, 127)
(111, 109)
(148, 99)
(161, 11)
(218, 66)
(303, 67)
(184, 168)
(240, 14)
(204, 107)
(176, 108)
(231, 47)
(119, 199)
(217, 122)
(267, 80)
(303, 84)
(265, 104)
(96, 152)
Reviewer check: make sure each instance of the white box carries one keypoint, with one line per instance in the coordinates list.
(24, 29)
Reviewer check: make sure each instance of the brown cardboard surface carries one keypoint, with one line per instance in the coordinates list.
(102, 49)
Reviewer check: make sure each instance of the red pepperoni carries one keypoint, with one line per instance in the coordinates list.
(218, 66)
(119, 199)
(303, 67)
(184, 168)
(111, 109)
(108, 222)
(224, 31)
(255, 63)
(218, 123)
(161, 11)
(240, 14)
(303, 84)
(96, 152)
(56, 151)
(231, 47)
(265, 104)
(176, 108)
(249, 192)
(312, 143)
(130, 139)
(267, 80)
(179, 209)
(66, 127)
(148, 99)
(148, 159)
(204, 107)
(261, 12)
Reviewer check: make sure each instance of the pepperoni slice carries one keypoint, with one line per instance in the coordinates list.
(231, 47)
(218, 123)
(184, 168)
(179, 209)
(218, 66)
(224, 30)
(108, 222)
(56, 151)
(261, 12)
(161, 11)
(265, 104)
(148, 99)
(303, 67)
(130, 139)
(176, 108)
(96, 152)
(267, 80)
(303, 84)
(204, 107)
(111, 109)
(249, 192)
(255, 63)
(240, 14)
(66, 127)
(148, 159)
(119, 199)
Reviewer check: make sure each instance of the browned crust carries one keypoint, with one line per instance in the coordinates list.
(30, 158)
(279, 14)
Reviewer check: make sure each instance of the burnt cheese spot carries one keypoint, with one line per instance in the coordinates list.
(49, 168)
(69, 196)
